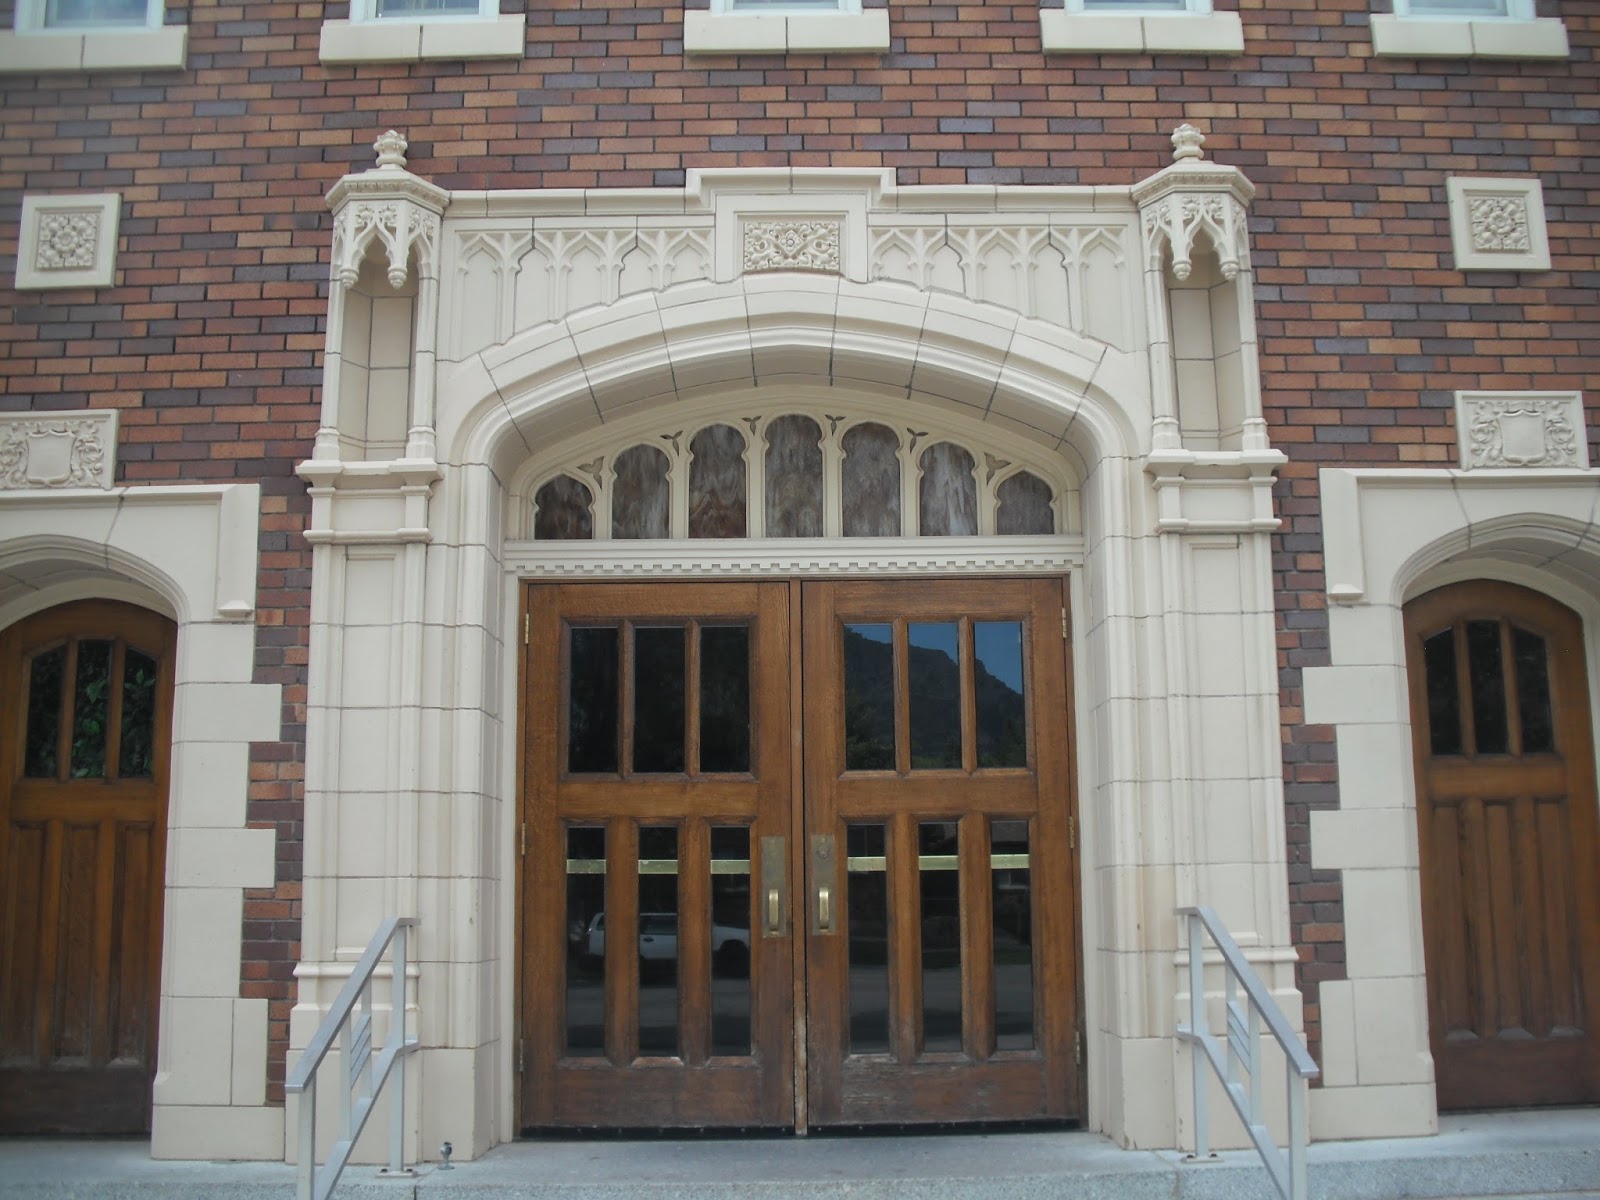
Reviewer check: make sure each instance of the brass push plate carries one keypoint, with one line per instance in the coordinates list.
(774, 899)
(824, 884)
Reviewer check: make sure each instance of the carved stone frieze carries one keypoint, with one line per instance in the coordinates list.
(1521, 430)
(792, 245)
(1039, 270)
(58, 450)
(390, 207)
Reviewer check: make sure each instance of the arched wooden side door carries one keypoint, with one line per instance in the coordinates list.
(1510, 854)
(86, 690)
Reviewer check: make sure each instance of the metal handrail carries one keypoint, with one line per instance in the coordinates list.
(1242, 1050)
(364, 1077)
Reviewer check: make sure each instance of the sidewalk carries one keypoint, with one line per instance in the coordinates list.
(1541, 1155)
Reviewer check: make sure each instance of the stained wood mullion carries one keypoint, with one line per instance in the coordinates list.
(625, 697)
(905, 939)
(691, 701)
(977, 940)
(967, 652)
(694, 942)
(902, 696)
(622, 941)
(1508, 671)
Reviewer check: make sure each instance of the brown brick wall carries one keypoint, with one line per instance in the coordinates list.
(210, 343)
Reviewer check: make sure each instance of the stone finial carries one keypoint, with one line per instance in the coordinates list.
(1186, 143)
(391, 148)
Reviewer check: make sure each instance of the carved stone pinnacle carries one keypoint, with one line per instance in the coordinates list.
(1186, 143)
(391, 148)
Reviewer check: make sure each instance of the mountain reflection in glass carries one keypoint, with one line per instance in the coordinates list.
(592, 674)
(586, 932)
(724, 698)
(1011, 899)
(939, 890)
(935, 698)
(657, 941)
(997, 677)
(658, 698)
(867, 917)
(869, 726)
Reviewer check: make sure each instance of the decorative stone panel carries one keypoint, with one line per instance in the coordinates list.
(785, 245)
(68, 241)
(1521, 429)
(58, 450)
(1498, 224)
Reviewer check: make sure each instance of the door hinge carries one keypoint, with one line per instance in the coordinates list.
(1072, 833)
(527, 620)
(524, 839)
(1063, 624)
(520, 1049)
(1077, 1048)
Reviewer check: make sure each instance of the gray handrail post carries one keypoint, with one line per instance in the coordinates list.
(363, 1074)
(1240, 1049)
(1197, 1020)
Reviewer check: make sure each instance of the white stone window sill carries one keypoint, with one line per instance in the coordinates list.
(1458, 37)
(1140, 33)
(385, 41)
(786, 33)
(36, 53)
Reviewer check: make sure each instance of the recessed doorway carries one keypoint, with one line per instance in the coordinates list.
(797, 855)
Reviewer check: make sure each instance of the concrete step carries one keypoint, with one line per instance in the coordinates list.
(1551, 1155)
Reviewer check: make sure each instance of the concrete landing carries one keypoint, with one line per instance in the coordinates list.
(1551, 1155)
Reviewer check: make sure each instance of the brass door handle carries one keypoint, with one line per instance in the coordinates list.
(774, 885)
(824, 881)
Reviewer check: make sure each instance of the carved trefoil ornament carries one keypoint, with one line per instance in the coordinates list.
(792, 245)
(391, 208)
(1511, 430)
(57, 450)
(68, 241)
(1497, 224)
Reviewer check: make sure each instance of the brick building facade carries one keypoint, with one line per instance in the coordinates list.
(207, 340)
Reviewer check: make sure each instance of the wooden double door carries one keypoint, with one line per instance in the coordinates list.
(797, 855)
(1510, 845)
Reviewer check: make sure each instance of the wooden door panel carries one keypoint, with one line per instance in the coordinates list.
(83, 814)
(1507, 828)
(939, 927)
(667, 972)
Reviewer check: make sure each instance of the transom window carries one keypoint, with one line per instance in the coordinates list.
(794, 475)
